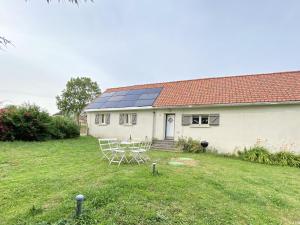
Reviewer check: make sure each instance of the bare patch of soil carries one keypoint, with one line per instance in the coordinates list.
(183, 161)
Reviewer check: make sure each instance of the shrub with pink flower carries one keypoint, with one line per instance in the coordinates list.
(30, 123)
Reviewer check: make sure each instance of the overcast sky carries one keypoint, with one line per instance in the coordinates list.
(125, 42)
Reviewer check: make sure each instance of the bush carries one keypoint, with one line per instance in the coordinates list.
(6, 129)
(257, 154)
(63, 127)
(189, 145)
(30, 123)
(26, 123)
(260, 154)
(284, 158)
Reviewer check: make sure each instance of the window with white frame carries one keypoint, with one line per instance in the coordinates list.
(102, 118)
(200, 120)
(128, 118)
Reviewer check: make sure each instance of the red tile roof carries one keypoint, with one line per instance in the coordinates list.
(259, 88)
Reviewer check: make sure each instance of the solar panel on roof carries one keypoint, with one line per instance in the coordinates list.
(122, 99)
(109, 94)
(115, 98)
(140, 103)
(152, 90)
(123, 104)
(110, 105)
(95, 105)
(131, 97)
(101, 99)
(120, 93)
(136, 92)
(148, 96)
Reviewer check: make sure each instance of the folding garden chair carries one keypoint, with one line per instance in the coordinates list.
(105, 148)
(137, 151)
(118, 156)
(136, 156)
(144, 148)
(112, 151)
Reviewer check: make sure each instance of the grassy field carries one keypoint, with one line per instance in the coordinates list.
(38, 183)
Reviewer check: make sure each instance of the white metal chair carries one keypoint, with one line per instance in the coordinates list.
(136, 156)
(112, 151)
(138, 152)
(105, 148)
(144, 148)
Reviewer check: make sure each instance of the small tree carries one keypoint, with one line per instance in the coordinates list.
(78, 93)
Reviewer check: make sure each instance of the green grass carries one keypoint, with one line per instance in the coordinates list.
(38, 182)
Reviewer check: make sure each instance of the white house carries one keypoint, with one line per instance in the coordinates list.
(229, 112)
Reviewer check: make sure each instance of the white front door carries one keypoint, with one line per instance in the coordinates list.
(170, 126)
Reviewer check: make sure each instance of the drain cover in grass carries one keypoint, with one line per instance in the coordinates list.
(183, 162)
(175, 163)
(185, 159)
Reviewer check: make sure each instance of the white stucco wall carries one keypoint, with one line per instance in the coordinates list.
(277, 126)
(141, 130)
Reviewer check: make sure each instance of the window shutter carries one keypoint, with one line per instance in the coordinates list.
(133, 118)
(186, 120)
(214, 119)
(121, 119)
(107, 119)
(97, 118)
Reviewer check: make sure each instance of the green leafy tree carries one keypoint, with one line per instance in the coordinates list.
(79, 92)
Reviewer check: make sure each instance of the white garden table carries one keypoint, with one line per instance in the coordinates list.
(129, 142)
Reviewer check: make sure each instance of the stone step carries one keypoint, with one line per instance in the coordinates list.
(166, 150)
(159, 147)
(164, 145)
(164, 141)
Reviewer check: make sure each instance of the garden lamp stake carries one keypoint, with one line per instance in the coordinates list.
(79, 200)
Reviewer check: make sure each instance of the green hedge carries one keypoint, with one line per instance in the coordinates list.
(62, 127)
(30, 123)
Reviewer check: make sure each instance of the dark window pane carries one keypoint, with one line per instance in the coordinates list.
(195, 120)
(204, 119)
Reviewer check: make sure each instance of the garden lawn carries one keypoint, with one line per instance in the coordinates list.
(38, 183)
